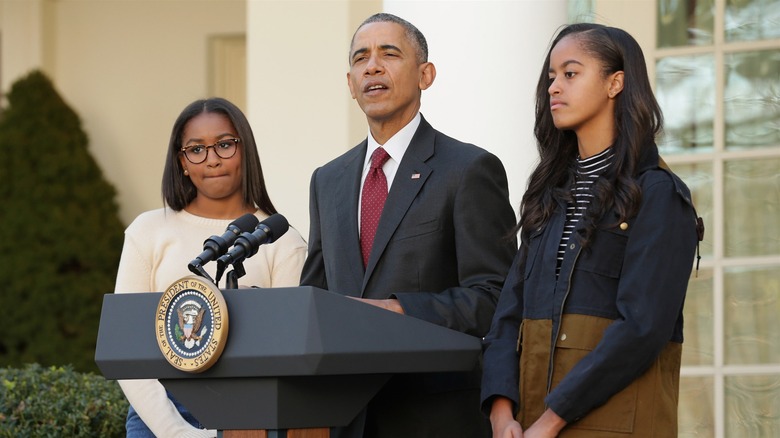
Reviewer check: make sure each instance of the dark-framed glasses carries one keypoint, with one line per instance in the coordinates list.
(224, 149)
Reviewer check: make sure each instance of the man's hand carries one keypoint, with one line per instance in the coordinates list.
(388, 304)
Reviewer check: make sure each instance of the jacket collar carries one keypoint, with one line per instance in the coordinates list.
(649, 158)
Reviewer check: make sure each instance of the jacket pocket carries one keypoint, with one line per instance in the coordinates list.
(605, 254)
(535, 241)
(419, 229)
(616, 415)
(579, 335)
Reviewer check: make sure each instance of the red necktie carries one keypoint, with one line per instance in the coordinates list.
(372, 201)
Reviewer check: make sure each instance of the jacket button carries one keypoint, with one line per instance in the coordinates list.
(624, 226)
(563, 337)
(572, 246)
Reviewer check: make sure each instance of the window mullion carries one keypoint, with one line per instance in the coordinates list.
(718, 235)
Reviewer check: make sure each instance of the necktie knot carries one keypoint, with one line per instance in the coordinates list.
(379, 158)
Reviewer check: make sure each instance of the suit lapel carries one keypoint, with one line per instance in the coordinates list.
(412, 174)
(346, 193)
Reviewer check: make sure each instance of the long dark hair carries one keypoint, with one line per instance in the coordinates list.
(638, 120)
(178, 190)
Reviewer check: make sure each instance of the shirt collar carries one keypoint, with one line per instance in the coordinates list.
(397, 144)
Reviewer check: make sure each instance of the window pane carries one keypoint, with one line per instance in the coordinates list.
(752, 99)
(698, 330)
(696, 418)
(753, 406)
(698, 177)
(752, 306)
(750, 20)
(684, 22)
(685, 89)
(752, 207)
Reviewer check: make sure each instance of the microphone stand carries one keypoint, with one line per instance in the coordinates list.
(197, 269)
(231, 278)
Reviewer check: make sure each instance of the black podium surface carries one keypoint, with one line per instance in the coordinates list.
(294, 358)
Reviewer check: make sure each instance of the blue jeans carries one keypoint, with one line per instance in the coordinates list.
(136, 428)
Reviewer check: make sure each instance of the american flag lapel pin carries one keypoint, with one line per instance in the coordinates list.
(415, 176)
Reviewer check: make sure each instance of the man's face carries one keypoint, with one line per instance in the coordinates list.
(384, 76)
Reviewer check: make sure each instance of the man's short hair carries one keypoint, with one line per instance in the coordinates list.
(412, 33)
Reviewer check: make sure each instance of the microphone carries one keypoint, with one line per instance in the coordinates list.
(247, 244)
(215, 246)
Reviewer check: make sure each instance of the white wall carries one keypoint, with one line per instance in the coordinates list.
(127, 68)
(21, 45)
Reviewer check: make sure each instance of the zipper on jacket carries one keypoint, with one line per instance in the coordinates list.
(557, 329)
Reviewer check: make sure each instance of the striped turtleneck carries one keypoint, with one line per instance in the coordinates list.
(587, 172)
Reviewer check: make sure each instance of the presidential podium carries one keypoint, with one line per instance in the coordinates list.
(295, 358)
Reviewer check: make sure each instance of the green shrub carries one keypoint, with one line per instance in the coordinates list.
(60, 233)
(59, 402)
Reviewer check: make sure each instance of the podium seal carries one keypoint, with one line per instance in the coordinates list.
(191, 324)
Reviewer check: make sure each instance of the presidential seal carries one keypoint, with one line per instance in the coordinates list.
(191, 324)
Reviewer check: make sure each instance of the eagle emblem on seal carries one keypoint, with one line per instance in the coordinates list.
(190, 318)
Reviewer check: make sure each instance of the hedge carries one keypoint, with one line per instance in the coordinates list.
(59, 402)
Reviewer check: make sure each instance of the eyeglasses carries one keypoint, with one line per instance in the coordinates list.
(224, 149)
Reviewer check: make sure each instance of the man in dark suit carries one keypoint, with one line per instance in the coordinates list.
(442, 245)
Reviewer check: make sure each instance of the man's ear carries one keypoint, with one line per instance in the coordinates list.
(616, 84)
(349, 84)
(427, 75)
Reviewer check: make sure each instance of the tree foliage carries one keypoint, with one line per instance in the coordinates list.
(60, 233)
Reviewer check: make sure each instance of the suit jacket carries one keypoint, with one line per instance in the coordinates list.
(442, 246)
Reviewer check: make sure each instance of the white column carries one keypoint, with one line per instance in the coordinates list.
(488, 56)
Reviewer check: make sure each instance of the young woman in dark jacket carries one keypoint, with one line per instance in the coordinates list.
(587, 337)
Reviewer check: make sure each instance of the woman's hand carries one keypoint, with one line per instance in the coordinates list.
(502, 420)
(547, 426)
